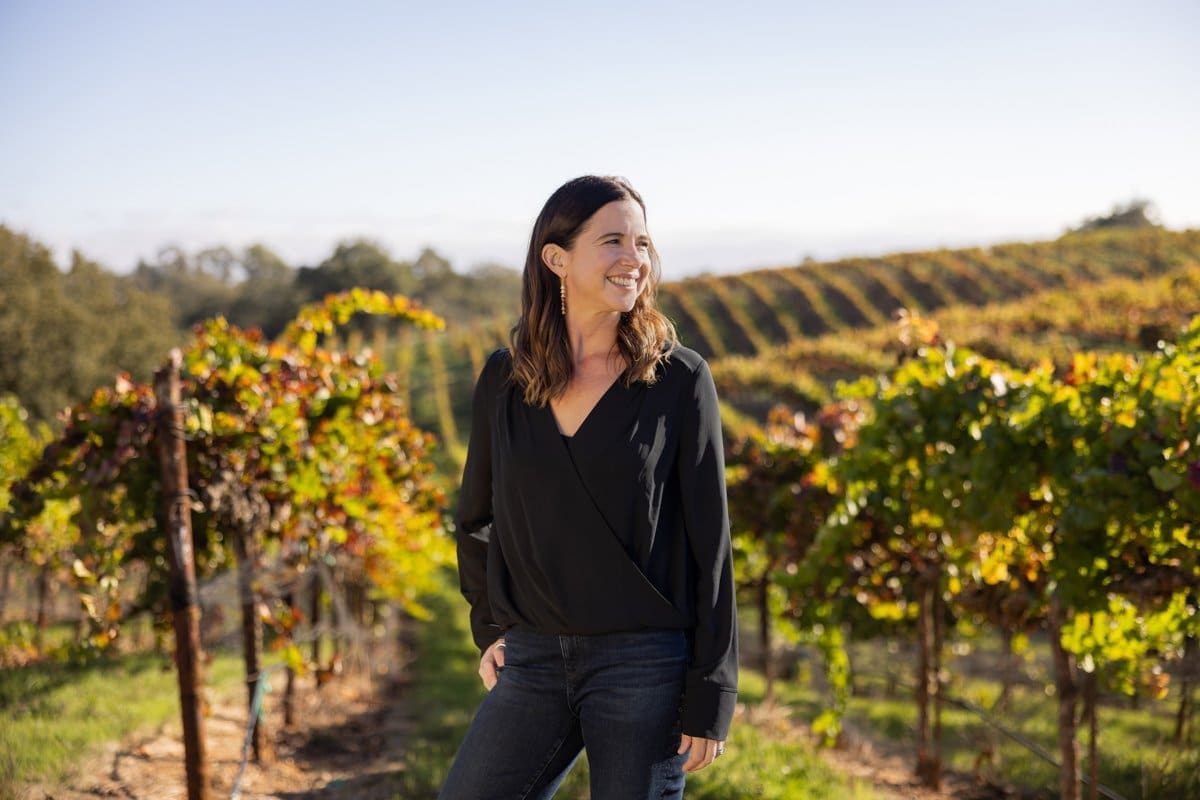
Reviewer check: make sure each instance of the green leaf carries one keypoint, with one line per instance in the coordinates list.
(1165, 480)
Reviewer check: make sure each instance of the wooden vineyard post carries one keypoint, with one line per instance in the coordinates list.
(185, 608)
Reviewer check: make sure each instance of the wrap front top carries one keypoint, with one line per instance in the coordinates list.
(622, 527)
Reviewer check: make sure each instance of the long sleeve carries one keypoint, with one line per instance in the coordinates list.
(473, 519)
(710, 692)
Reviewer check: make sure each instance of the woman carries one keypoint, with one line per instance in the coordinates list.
(593, 535)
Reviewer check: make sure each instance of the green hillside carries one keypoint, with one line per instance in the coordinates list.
(1119, 314)
(753, 312)
(780, 335)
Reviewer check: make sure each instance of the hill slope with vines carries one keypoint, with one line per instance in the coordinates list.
(784, 335)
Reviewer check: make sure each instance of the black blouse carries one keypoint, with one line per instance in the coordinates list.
(621, 527)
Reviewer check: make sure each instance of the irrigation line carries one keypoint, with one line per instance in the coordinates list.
(260, 684)
(322, 578)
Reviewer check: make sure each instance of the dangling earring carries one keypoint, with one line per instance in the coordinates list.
(562, 294)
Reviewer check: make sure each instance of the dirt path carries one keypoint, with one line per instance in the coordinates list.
(891, 773)
(353, 732)
(886, 766)
(347, 745)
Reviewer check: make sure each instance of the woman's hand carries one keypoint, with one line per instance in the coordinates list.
(704, 752)
(492, 658)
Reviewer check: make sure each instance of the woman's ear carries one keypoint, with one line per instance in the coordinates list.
(554, 257)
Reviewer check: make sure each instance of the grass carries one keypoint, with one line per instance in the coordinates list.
(444, 694)
(769, 758)
(761, 763)
(1136, 758)
(19, 638)
(54, 712)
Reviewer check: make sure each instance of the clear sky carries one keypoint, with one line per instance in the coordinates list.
(758, 132)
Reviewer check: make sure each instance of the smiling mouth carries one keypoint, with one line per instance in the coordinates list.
(624, 282)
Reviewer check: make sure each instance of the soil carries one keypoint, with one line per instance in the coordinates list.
(890, 771)
(353, 730)
(887, 766)
(347, 744)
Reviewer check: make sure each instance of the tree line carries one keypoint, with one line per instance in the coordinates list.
(65, 332)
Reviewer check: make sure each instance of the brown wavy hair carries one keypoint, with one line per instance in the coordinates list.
(541, 348)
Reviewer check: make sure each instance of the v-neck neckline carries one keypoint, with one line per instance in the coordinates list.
(568, 438)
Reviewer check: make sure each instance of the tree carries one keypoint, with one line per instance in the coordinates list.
(63, 335)
(268, 298)
(1136, 213)
(1030, 499)
(899, 524)
(197, 287)
(777, 504)
(358, 263)
(294, 448)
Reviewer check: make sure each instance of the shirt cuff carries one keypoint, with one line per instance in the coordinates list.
(707, 710)
(484, 634)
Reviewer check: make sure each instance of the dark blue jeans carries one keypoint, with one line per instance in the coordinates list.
(616, 694)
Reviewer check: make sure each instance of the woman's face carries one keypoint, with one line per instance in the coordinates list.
(609, 264)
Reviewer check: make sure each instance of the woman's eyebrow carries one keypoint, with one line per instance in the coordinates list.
(619, 234)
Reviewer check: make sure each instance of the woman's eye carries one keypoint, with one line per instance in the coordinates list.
(644, 245)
